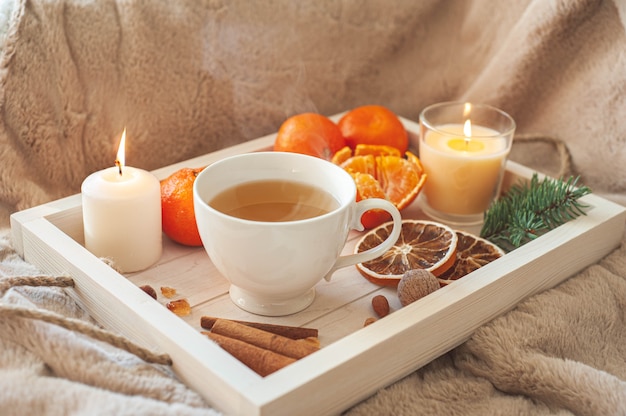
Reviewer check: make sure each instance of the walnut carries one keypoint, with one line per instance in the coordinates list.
(415, 284)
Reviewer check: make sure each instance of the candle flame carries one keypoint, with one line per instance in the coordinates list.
(467, 131)
(121, 153)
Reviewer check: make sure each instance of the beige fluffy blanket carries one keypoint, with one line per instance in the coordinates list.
(191, 76)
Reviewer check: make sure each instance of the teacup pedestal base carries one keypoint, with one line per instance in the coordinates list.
(261, 305)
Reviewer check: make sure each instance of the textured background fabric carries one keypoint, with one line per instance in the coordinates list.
(192, 76)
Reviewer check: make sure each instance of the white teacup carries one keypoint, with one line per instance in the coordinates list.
(273, 264)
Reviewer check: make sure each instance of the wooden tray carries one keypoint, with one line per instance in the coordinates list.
(354, 361)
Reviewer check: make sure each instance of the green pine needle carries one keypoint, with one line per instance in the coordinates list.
(531, 209)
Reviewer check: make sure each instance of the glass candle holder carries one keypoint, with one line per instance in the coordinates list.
(463, 148)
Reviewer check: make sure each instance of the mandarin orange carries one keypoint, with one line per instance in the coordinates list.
(310, 134)
(178, 214)
(374, 124)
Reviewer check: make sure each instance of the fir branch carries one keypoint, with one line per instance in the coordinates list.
(531, 209)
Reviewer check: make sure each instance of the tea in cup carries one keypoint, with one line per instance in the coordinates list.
(274, 224)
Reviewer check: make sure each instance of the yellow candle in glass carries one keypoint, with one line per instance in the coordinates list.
(464, 163)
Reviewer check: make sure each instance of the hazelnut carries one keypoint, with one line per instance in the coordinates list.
(415, 284)
(380, 304)
(369, 321)
(149, 290)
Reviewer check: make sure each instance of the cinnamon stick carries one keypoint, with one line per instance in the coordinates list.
(277, 343)
(261, 361)
(311, 340)
(293, 332)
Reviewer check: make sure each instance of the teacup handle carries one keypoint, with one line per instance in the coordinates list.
(362, 207)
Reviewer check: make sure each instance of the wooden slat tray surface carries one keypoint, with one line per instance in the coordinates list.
(354, 361)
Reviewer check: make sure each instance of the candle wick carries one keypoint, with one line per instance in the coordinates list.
(119, 166)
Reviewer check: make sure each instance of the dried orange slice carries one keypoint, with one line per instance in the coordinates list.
(472, 252)
(422, 245)
(380, 172)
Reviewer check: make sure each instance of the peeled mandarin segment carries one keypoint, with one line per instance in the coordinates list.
(419, 168)
(346, 152)
(383, 173)
(399, 179)
(367, 186)
(395, 177)
(376, 150)
(472, 253)
(362, 164)
(422, 245)
(420, 178)
(342, 155)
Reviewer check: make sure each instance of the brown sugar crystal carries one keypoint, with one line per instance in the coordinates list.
(180, 307)
(168, 292)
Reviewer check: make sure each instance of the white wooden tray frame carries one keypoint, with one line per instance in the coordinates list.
(353, 365)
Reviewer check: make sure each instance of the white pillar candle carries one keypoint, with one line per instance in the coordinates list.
(464, 169)
(122, 216)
